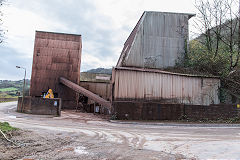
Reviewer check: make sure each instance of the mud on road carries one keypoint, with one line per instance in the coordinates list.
(35, 145)
(74, 135)
(87, 136)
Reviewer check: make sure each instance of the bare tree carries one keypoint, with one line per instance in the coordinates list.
(218, 23)
(1, 21)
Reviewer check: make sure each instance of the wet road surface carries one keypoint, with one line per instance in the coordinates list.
(191, 141)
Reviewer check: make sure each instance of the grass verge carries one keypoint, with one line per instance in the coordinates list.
(5, 127)
(8, 89)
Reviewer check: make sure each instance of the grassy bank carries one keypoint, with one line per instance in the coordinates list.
(6, 127)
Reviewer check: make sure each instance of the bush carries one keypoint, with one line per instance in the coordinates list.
(200, 59)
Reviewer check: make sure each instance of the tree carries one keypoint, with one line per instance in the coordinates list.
(216, 50)
(1, 21)
(218, 23)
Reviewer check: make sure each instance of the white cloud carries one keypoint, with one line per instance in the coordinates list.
(21, 26)
(103, 24)
(88, 59)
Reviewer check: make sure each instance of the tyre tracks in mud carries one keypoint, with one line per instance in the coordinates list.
(103, 130)
(111, 134)
(189, 141)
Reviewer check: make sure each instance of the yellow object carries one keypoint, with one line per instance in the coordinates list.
(238, 105)
(49, 94)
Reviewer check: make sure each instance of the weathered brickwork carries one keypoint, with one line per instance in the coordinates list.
(156, 111)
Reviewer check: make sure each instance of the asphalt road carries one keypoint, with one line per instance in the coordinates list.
(191, 141)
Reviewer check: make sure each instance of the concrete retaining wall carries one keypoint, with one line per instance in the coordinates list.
(41, 106)
(133, 110)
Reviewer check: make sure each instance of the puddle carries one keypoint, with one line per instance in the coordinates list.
(80, 150)
(12, 117)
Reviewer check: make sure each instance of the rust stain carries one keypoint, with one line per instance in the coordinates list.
(55, 55)
(85, 92)
(148, 84)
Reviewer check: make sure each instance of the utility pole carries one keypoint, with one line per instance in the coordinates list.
(24, 81)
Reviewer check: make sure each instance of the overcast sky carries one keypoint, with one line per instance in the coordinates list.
(103, 24)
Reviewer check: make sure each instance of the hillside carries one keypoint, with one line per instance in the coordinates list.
(101, 70)
(11, 89)
(216, 52)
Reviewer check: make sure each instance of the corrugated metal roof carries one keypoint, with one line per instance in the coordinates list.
(59, 33)
(129, 42)
(163, 72)
(189, 14)
(157, 41)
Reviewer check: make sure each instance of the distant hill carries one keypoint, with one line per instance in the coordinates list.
(10, 89)
(101, 70)
(225, 31)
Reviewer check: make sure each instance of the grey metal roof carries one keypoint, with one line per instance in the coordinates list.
(190, 14)
(157, 40)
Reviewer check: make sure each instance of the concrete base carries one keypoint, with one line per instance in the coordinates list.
(41, 106)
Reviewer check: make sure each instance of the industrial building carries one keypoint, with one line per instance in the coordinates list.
(134, 84)
(56, 55)
(158, 41)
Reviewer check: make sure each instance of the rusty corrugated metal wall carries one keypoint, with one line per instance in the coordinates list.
(79, 89)
(94, 77)
(158, 41)
(55, 55)
(103, 89)
(155, 85)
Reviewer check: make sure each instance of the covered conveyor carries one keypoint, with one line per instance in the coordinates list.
(85, 92)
